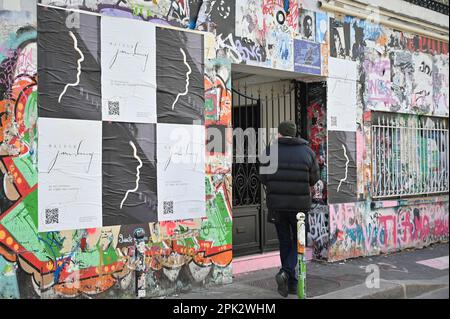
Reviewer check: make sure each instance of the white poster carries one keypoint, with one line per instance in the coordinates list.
(422, 98)
(341, 95)
(70, 174)
(128, 50)
(342, 69)
(181, 171)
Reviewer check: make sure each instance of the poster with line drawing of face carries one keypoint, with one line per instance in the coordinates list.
(70, 174)
(129, 173)
(128, 71)
(179, 74)
(69, 65)
(342, 167)
(181, 171)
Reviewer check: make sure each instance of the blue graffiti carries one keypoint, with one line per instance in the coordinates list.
(286, 5)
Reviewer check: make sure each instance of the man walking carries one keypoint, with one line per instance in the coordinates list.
(287, 193)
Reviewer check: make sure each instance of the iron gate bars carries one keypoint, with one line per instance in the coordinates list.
(246, 186)
(273, 104)
(410, 156)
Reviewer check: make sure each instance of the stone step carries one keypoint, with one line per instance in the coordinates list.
(261, 261)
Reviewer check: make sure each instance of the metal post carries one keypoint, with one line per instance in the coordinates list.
(301, 243)
(139, 254)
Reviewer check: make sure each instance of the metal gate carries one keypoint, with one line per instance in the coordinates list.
(256, 107)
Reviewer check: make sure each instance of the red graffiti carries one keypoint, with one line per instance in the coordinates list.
(383, 220)
(317, 134)
(440, 228)
(407, 225)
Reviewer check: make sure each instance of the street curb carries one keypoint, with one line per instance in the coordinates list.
(389, 290)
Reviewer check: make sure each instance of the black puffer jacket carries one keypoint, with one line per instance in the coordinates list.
(288, 190)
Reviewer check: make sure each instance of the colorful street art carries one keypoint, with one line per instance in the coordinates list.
(317, 137)
(102, 262)
(357, 230)
(262, 33)
(397, 72)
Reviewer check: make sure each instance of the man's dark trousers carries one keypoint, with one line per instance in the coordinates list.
(286, 226)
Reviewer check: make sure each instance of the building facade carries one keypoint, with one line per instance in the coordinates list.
(366, 82)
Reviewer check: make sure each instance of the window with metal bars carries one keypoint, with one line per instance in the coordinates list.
(440, 6)
(409, 155)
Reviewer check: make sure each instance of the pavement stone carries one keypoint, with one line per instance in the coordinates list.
(400, 277)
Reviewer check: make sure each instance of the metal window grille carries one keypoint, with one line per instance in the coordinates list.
(440, 6)
(409, 156)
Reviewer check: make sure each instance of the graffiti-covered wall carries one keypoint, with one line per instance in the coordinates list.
(135, 252)
(357, 230)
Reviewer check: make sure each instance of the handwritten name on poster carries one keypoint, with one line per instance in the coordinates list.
(181, 171)
(70, 174)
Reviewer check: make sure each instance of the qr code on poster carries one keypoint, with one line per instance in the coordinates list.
(52, 216)
(113, 108)
(168, 207)
(333, 121)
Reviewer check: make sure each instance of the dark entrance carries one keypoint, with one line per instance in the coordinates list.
(265, 106)
(251, 232)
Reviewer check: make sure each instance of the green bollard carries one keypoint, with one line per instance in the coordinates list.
(301, 240)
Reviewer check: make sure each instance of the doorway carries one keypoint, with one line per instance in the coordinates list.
(256, 105)
(264, 102)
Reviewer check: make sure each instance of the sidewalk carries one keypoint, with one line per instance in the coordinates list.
(401, 276)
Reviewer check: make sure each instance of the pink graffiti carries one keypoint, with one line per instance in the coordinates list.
(25, 63)
(379, 67)
(392, 228)
(385, 221)
(343, 217)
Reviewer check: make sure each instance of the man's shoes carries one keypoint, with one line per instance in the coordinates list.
(282, 281)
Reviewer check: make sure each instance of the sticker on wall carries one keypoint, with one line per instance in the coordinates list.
(128, 70)
(341, 167)
(378, 91)
(307, 23)
(129, 173)
(218, 16)
(402, 80)
(321, 27)
(179, 72)
(422, 98)
(440, 85)
(127, 234)
(342, 40)
(69, 65)
(70, 174)
(249, 19)
(307, 57)
(282, 51)
(181, 171)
